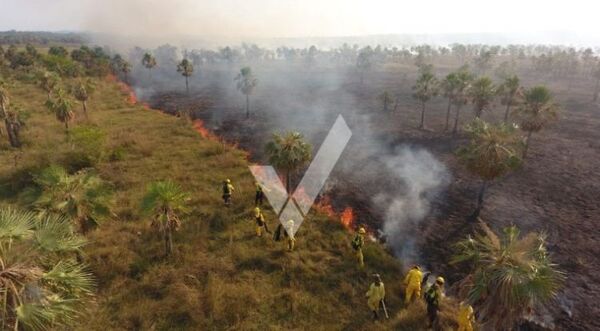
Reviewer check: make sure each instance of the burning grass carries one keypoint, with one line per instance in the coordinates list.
(346, 216)
(198, 125)
(126, 90)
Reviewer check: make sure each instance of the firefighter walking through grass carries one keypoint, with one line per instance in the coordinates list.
(289, 232)
(433, 297)
(375, 295)
(259, 196)
(227, 191)
(357, 244)
(260, 222)
(412, 281)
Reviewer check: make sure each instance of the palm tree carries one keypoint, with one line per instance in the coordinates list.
(449, 86)
(536, 111)
(62, 107)
(48, 81)
(510, 90)
(289, 153)
(165, 200)
(461, 98)
(13, 121)
(426, 87)
(246, 82)
(43, 286)
(83, 197)
(491, 153)
(185, 68)
(510, 275)
(12, 118)
(82, 91)
(482, 93)
(149, 62)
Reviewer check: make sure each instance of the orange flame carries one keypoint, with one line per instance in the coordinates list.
(324, 206)
(347, 218)
(202, 130)
(125, 89)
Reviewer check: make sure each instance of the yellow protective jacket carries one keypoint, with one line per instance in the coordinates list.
(260, 219)
(375, 295)
(413, 278)
(465, 314)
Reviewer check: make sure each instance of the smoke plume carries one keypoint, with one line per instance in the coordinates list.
(420, 177)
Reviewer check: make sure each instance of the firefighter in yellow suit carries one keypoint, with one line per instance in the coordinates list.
(412, 281)
(260, 221)
(291, 236)
(465, 317)
(375, 295)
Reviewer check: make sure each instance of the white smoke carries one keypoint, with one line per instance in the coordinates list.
(420, 177)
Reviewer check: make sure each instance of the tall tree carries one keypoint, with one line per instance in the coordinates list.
(62, 106)
(82, 91)
(510, 275)
(149, 62)
(83, 197)
(464, 79)
(289, 153)
(426, 87)
(491, 153)
(166, 201)
(246, 82)
(43, 285)
(448, 87)
(536, 111)
(48, 81)
(510, 90)
(185, 68)
(482, 93)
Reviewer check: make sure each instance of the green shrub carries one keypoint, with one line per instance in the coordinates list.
(64, 66)
(117, 154)
(88, 147)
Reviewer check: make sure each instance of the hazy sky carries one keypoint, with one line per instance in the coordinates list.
(300, 18)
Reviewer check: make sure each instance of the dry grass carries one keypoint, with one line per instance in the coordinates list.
(220, 277)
